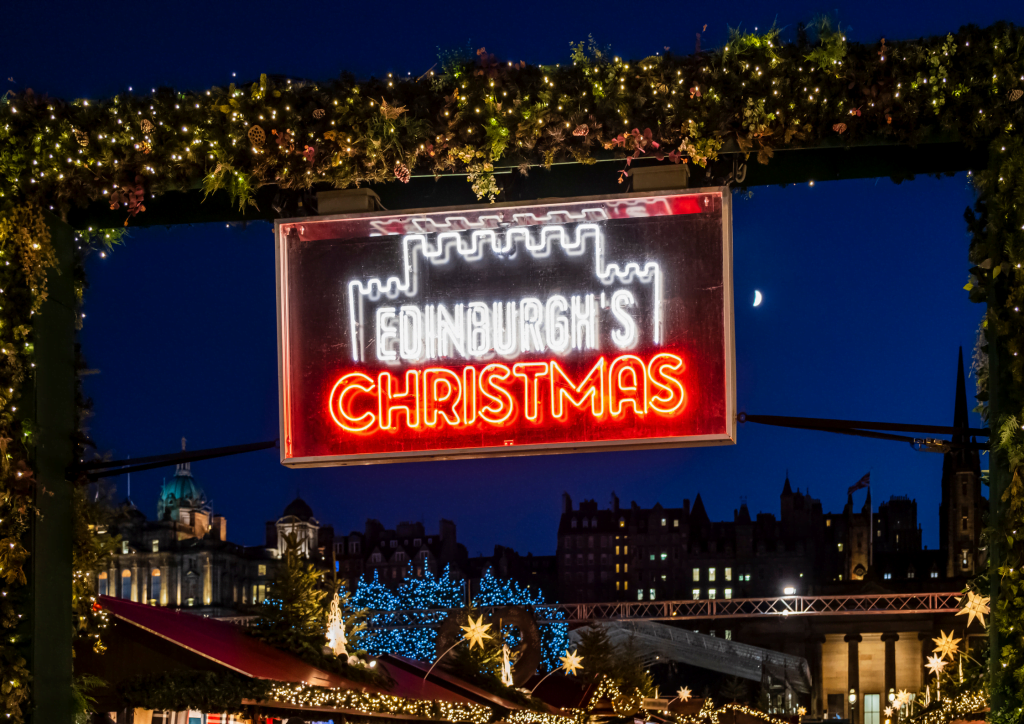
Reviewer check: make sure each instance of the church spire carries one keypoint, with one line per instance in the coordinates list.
(960, 419)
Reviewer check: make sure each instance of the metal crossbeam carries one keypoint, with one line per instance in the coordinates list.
(782, 606)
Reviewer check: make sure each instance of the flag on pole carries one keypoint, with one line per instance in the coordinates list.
(862, 483)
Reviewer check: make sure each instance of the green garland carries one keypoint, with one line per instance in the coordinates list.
(756, 95)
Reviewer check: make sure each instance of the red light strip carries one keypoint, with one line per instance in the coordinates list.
(437, 396)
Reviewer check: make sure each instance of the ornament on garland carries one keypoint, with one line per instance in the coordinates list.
(506, 666)
(684, 694)
(1015, 94)
(147, 125)
(257, 137)
(887, 711)
(839, 128)
(935, 664)
(319, 113)
(82, 137)
(975, 607)
(476, 632)
(336, 629)
(402, 172)
(391, 113)
(581, 130)
(946, 645)
(144, 146)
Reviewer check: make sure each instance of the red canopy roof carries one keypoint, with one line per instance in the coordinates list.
(229, 646)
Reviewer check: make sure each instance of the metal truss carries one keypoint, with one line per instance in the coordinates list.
(782, 606)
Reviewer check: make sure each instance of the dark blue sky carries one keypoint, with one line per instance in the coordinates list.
(862, 316)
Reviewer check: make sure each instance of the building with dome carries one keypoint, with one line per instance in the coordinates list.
(183, 558)
(297, 521)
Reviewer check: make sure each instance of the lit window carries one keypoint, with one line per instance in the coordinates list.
(728, 634)
(652, 594)
(154, 584)
(261, 569)
(711, 575)
(696, 594)
(618, 585)
(728, 593)
(828, 522)
(156, 546)
(126, 584)
(935, 574)
(728, 574)
(663, 523)
(711, 593)
(840, 547)
(616, 550)
(878, 534)
(625, 550)
(652, 556)
(622, 522)
(616, 567)
(124, 547)
(625, 568)
(675, 523)
(639, 594)
(664, 556)
(664, 577)
(625, 585)
(910, 573)
(696, 575)
(103, 584)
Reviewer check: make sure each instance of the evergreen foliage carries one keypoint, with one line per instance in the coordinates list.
(619, 663)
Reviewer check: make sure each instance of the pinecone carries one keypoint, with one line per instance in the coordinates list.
(1015, 94)
(319, 113)
(82, 137)
(257, 137)
(839, 128)
(581, 130)
(147, 125)
(402, 172)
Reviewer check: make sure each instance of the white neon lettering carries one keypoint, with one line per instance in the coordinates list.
(387, 334)
(451, 331)
(504, 328)
(431, 332)
(556, 324)
(530, 313)
(517, 234)
(410, 332)
(584, 322)
(626, 337)
(478, 335)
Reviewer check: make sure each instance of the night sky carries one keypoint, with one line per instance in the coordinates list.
(862, 316)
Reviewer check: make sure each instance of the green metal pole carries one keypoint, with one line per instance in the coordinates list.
(998, 481)
(50, 570)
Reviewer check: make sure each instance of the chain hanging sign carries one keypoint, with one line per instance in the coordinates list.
(585, 324)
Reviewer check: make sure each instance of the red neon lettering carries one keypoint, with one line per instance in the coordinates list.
(344, 389)
(627, 385)
(530, 373)
(469, 395)
(501, 405)
(442, 392)
(671, 396)
(591, 386)
(386, 399)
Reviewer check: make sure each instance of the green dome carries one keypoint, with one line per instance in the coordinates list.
(181, 491)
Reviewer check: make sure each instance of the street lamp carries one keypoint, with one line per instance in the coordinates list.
(853, 706)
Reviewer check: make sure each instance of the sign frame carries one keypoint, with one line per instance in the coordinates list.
(558, 448)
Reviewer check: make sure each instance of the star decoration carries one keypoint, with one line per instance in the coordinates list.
(976, 606)
(946, 645)
(903, 697)
(802, 711)
(935, 664)
(684, 694)
(572, 662)
(476, 632)
(888, 712)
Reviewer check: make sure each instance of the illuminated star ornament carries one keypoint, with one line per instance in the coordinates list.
(935, 664)
(946, 645)
(903, 697)
(976, 606)
(684, 693)
(802, 711)
(476, 632)
(888, 712)
(572, 662)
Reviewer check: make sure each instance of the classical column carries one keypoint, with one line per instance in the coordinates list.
(135, 581)
(207, 581)
(854, 713)
(814, 644)
(889, 639)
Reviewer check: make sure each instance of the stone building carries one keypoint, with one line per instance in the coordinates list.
(406, 551)
(183, 559)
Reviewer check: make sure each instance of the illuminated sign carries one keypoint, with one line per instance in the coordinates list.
(585, 324)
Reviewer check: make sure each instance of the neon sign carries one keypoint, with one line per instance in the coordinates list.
(588, 324)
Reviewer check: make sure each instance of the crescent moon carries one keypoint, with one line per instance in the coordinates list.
(757, 298)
